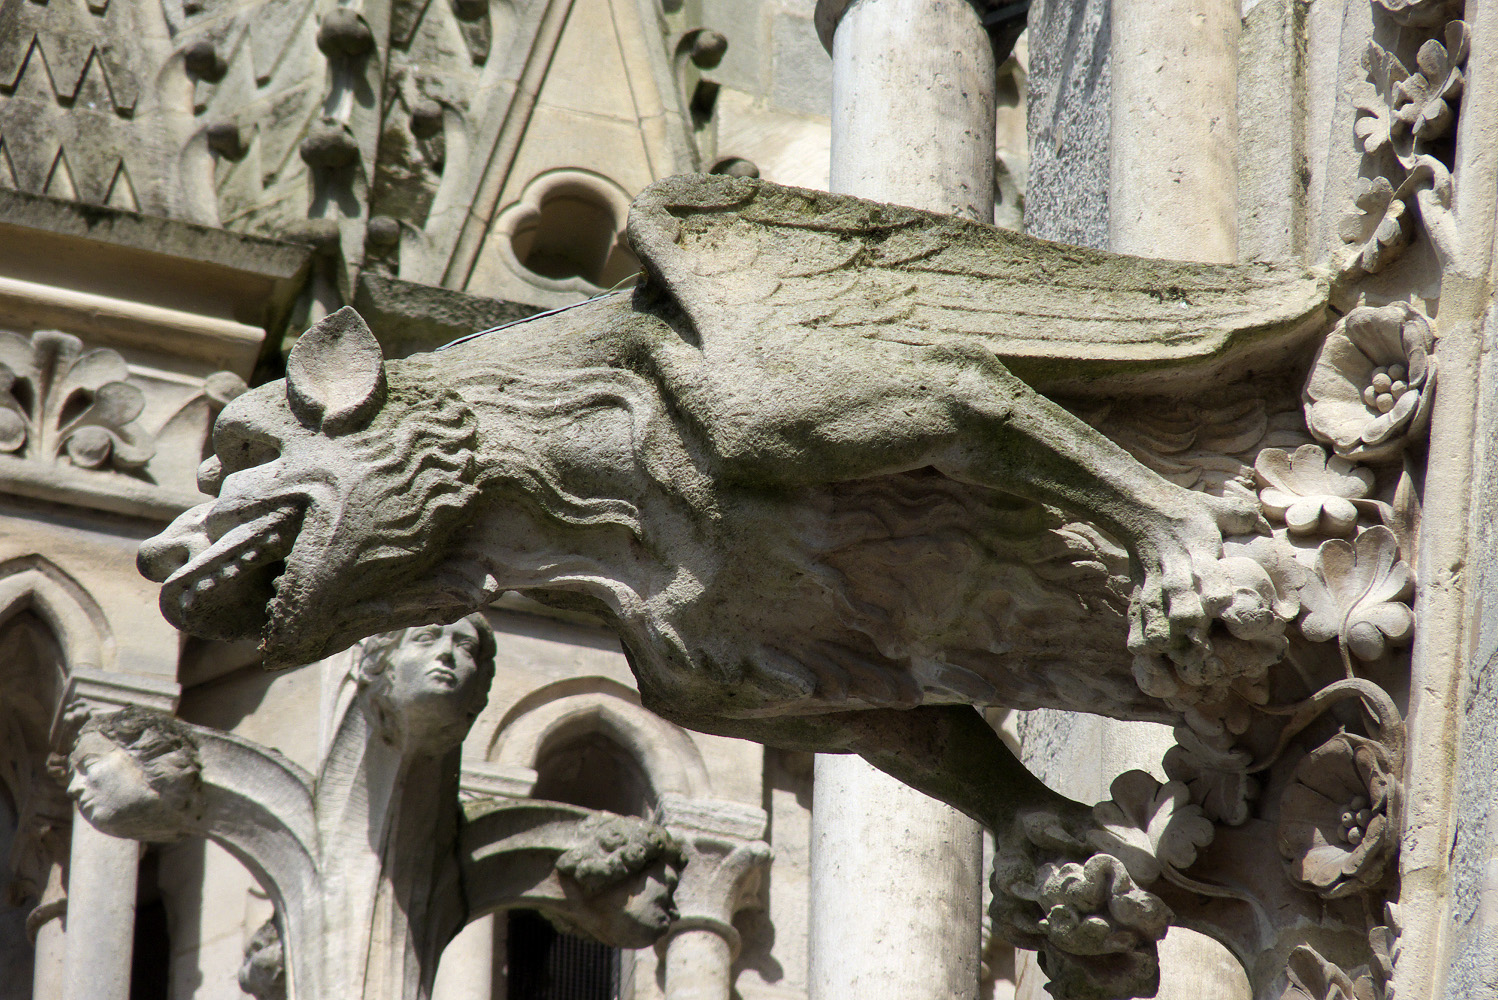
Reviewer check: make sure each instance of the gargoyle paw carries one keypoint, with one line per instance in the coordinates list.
(1199, 622)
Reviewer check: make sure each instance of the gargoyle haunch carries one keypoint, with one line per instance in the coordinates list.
(805, 468)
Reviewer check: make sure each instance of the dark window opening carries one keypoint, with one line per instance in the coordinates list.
(593, 771)
(546, 964)
(151, 959)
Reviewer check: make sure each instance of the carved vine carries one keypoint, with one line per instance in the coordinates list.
(1405, 120)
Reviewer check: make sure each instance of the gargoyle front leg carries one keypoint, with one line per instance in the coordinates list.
(1013, 439)
(1053, 891)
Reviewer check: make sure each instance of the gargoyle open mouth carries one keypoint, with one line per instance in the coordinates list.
(221, 591)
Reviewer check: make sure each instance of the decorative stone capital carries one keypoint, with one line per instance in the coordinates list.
(482, 779)
(725, 857)
(105, 691)
(1004, 19)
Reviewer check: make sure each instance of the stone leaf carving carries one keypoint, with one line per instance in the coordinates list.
(1425, 98)
(1215, 772)
(1369, 391)
(1377, 126)
(1314, 978)
(1380, 225)
(59, 401)
(1400, 116)
(1313, 493)
(1359, 595)
(1149, 826)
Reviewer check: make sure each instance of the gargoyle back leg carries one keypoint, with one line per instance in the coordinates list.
(946, 751)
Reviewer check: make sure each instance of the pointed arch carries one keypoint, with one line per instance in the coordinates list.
(582, 706)
(36, 584)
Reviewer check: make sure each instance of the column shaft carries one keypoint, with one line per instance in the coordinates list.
(102, 875)
(896, 876)
(697, 966)
(1173, 181)
(466, 971)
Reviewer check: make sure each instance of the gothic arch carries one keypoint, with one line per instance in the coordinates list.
(34, 583)
(578, 707)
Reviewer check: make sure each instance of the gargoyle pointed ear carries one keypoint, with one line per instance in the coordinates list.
(335, 376)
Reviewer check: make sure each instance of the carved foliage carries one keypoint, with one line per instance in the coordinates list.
(61, 402)
(1403, 123)
(1339, 815)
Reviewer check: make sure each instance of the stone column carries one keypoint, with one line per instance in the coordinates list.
(46, 925)
(102, 870)
(896, 876)
(725, 855)
(466, 971)
(101, 914)
(1172, 194)
(1173, 180)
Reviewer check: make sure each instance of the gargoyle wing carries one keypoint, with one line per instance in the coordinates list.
(742, 257)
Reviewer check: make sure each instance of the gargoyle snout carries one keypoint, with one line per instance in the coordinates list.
(182, 541)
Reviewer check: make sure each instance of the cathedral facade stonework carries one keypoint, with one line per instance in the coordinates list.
(693, 500)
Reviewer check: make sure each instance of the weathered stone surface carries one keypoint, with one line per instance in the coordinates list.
(1070, 123)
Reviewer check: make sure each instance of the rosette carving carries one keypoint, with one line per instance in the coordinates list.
(1369, 391)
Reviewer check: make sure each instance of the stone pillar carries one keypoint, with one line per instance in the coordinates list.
(101, 914)
(896, 876)
(466, 971)
(102, 870)
(46, 926)
(1173, 179)
(725, 856)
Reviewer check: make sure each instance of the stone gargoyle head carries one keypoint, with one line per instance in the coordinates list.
(322, 482)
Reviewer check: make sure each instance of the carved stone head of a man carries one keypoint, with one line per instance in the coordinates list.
(627, 870)
(423, 687)
(135, 773)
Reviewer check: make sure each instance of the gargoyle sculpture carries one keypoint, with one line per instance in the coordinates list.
(808, 469)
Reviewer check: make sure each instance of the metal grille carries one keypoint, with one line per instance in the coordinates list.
(546, 964)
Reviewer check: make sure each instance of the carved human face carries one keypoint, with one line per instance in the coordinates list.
(113, 791)
(639, 909)
(435, 671)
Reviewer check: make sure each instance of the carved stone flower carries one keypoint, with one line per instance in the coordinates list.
(1426, 97)
(1369, 390)
(59, 399)
(1338, 815)
(1359, 595)
(1380, 226)
(1311, 492)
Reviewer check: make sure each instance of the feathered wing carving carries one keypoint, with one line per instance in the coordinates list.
(733, 251)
